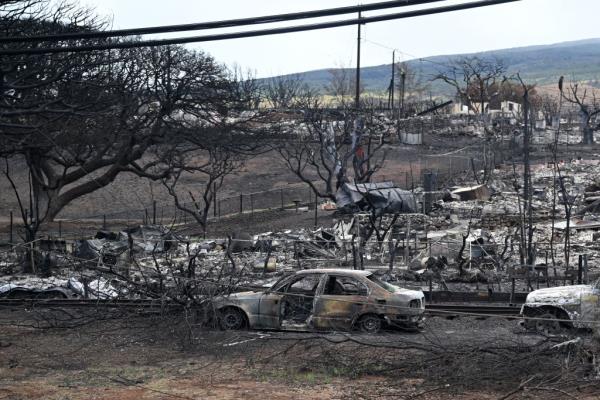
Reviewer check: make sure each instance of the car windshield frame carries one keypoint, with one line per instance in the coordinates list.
(279, 281)
(382, 284)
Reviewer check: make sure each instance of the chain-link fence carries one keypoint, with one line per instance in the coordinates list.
(292, 196)
(444, 169)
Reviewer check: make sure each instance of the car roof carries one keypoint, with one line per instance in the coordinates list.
(338, 271)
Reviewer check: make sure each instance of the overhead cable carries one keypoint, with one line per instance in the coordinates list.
(255, 33)
(217, 24)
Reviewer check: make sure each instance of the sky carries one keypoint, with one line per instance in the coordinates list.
(524, 23)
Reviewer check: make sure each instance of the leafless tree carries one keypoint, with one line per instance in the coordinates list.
(41, 95)
(473, 79)
(287, 91)
(342, 86)
(527, 248)
(77, 121)
(212, 155)
(588, 102)
(332, 148)
(547, 104)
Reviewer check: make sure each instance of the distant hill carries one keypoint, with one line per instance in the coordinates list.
(537, 64)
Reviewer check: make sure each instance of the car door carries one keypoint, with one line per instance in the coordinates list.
(270, 303)
(343, 298)
(297, 304)
(269, 310)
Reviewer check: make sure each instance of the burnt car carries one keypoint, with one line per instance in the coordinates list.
(323, 299)
(553, 310)
(10, 291)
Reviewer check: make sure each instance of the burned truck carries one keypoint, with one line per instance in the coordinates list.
(554, 310)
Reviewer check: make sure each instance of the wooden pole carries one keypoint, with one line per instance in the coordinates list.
(585, 269)
(392, 88)
(316, 209)
(407, 243)
(32, 257)
(358, 40)
(11, 227)
(154, 212)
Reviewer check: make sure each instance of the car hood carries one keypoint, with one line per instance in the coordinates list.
(559, 295)
(244, 295)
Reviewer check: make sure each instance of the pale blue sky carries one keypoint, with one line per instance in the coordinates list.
(528, 22)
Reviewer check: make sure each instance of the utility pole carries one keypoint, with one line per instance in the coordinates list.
(357, 99)
(527, 190)
(402, 85)
(392, 88)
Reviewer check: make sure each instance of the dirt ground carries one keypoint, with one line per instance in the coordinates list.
(264, 172)
(159, 357)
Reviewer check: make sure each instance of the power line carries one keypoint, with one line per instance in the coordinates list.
(218, 24)
(414, 57)
(255, 33)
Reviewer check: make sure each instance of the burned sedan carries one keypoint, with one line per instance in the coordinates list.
(323, 299)
(555, 309)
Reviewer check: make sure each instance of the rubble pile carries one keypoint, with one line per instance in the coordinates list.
(472, 235)
(112, 264)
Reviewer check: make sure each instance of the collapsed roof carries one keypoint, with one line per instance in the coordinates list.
(382, 198)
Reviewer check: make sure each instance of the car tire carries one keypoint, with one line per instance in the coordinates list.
(548, 324)
(231, 319)
(369, 323)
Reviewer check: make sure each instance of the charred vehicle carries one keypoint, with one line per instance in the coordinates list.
(556, 309)
(323, 299)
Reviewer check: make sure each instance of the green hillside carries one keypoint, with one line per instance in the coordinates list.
(537, 64)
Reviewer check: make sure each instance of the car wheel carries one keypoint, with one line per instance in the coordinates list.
(370, 323)
(548, 324)
(231, 319)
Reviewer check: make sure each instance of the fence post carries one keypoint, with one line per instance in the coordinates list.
(281, 193)
(427, 188)
(316, 209)
(145, 219)
(103, 221)
(219, 209)
(407, 243)
(154, 212)
(32, 257)
(241, 203)
(11, 227)
(59, 229)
